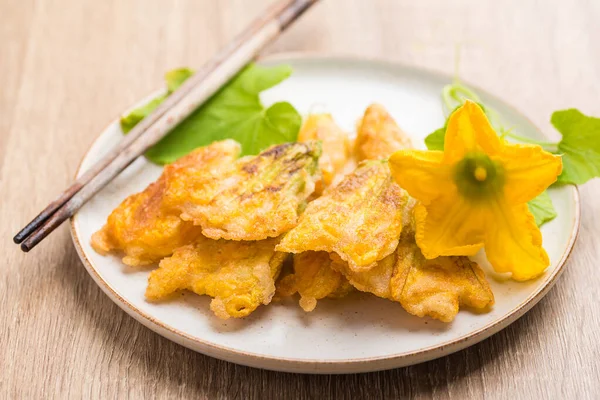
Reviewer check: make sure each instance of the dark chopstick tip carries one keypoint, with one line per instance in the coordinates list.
(32, 226)
(18, 238)
(25, 247)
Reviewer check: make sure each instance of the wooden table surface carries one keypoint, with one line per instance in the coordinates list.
(68, 67)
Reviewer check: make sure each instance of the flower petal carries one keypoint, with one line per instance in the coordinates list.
(528, 171)
(449, 227)
(513, 242)
(421, 173)
(469, 130)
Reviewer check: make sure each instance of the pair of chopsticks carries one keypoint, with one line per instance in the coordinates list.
(181, 103)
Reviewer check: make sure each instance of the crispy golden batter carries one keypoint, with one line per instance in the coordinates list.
(239, 275)
(143, 227)
(360, 219)
(259, 197)
(378, 135)
(438, 287)
(198, 182)
(313, 279)
(435, 288)
(335, 143)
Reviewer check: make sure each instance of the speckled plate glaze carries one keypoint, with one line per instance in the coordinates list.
(360, 333)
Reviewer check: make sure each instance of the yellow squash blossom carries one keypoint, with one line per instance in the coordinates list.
(475, 194)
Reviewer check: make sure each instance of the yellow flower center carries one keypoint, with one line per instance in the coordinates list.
(480, 174)
(478, 177)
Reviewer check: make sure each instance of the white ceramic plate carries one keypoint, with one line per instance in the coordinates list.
(360, 333)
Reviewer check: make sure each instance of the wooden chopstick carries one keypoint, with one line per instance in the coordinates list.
(181, 103)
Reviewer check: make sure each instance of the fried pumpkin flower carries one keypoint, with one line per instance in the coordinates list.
(360, 218)
(334, 141)
(259, 196)
(239, 275)
(435, 288)
(378, 135)
(313, 279)
(474, 194)
(144, 226)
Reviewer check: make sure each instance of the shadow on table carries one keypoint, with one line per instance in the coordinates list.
(168, 368)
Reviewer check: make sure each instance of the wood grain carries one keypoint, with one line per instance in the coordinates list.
(68, 67)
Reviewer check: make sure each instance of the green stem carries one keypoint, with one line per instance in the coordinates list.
(455, 94)
(468, 93)
(552, 145)
(456, 62)
(447, 100)
(529, 140)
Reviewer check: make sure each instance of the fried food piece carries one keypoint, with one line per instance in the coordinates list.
(259, 197)
(378, 135)
(314, 279)
(435, 288)
(438, 287)
(238, 275)
(196, 181)
(143, 227)
(335, 143)
(360, 219)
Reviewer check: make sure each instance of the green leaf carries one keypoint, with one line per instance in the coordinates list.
(174, 79)
(580, 145)
(130, 120)
(435, 140)
(542, 209)
(235, 112)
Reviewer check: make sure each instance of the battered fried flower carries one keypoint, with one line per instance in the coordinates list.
(334, 141)
(360, 219)
(435, 288)
(259, 197)
(239, 275)
(143, 226)
(378, 135)
(314, 279)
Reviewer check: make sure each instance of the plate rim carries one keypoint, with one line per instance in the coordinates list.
(328, 365)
